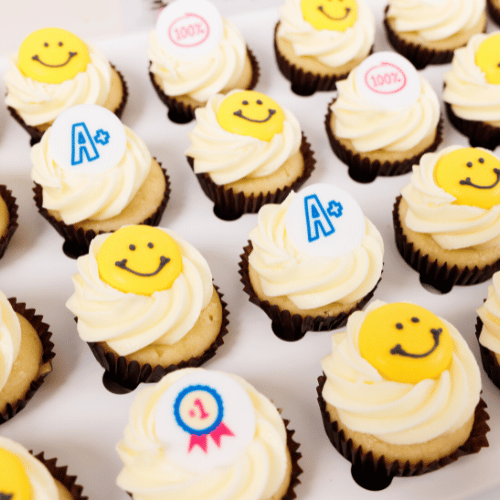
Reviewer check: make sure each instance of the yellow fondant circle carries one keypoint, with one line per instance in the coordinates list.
(334, 15)
(252, 114)
(52, 55)
(488, 58)
(405, 342)
(14, 482)
(139, 259)
(471, 175)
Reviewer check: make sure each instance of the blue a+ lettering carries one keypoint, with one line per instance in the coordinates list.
(318, 220)
(83, 145)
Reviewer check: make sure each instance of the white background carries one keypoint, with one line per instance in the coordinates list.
(74, 418)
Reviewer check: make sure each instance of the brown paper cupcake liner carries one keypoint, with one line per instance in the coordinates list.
(42, 330)
(364, 170)
(12, 208)
(480, 134)
(441, 277)
(376, 474)
(229, 205)
(180, 112)
(488, 358)
(77, 240)
(122, 376)
(60, 473)
(295, 456)
(288, 326)
(36, 134)
(494, 11)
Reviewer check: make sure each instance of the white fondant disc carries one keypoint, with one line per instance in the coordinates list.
(324, 221)
(87, 138)
(188, 29)
(205, 420)
(389, 80)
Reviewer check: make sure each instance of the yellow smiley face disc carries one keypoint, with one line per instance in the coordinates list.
(139, 259)
(405, 343)
(488, 58)
(251, 113)
(52, 55)
(14, 482)
(334, 15)
(471, 175)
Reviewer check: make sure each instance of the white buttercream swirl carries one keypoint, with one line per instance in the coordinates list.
(435, 20)
(395, 412)
(128, 322)
(229, 157)
(39, 102)
(371, 127)
(311, 282)
(10, 338)
(472, 97)
(215, 72)
(489, 313)
(149, 473)
(431, 210)
(333, 48)
(43, 486)
(78, 196)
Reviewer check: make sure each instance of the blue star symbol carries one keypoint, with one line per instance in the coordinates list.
(102, 137)
(335, 209)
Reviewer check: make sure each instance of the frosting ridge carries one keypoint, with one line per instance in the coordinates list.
(489, 313)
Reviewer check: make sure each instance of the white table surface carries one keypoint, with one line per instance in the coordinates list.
(74, 418)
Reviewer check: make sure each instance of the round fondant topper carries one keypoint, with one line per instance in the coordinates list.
(52, 55)
(14, 482)
(389, 80)
(252, 114)
(87, 138)
(205, 420)
(405, 342)
(334, 15)
(471, 175)
(139, 259)
(324, 221)
(488, 58)
(188, 29)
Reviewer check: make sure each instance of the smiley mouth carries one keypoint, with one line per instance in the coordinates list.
(122, 264)
(436, 332)
(468, 182)
(347, 12)
(70, 56)
(271, 112)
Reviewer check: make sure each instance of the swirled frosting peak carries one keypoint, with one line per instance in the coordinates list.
(398, 412)
(489, 313)
(10, 338)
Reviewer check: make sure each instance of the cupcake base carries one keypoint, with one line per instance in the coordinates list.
(288, 326)
(42, 329)
(181, 112)
(488, 358)
(295, 455)
(494, 10)
(363, 169)
(376, 474)
(437, 276)
(12, 223)
(122, 376)
(230, 205)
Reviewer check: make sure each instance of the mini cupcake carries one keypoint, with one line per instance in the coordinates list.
(206, 434)
(145, 303)
(93, 174)
(26, 476)
(194, 53)
(400, 394)
(55, 70)
(8, 217)
(428, 31)
(384, 118)
(447, 219)
(472, 90)
(311, 261)
(247, 151)
(494, 9)
(25, 355)
(316, 45)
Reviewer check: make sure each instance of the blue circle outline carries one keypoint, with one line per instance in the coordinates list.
(183, 394)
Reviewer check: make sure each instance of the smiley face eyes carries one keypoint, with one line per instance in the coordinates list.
(400, 326)
(470, 164)
(60, 44)
(246, 103)
(132, 247)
